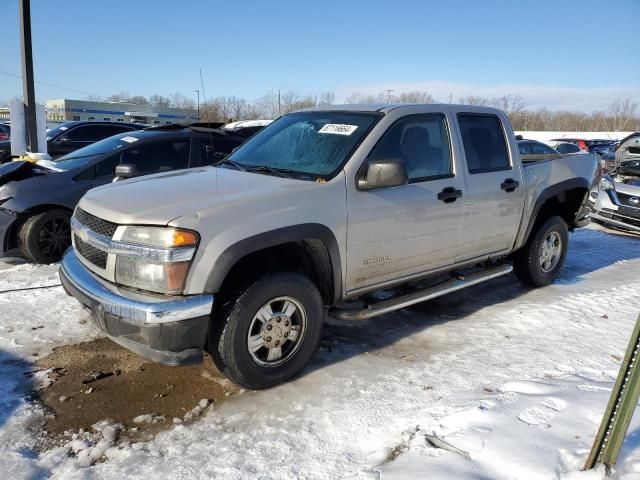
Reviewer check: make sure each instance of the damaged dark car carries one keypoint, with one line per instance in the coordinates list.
(37, 199)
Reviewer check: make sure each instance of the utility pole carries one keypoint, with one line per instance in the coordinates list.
(198, 92)
(28, 89)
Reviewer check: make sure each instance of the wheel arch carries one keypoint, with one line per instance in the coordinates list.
(312, 248)
(11, 237)
(564, 199)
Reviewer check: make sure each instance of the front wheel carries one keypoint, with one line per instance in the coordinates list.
(539, 262)
(268, 334)
(44, 237)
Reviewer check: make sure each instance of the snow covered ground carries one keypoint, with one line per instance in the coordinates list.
(516, 378)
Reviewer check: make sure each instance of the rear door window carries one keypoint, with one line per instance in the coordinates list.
(484, 142)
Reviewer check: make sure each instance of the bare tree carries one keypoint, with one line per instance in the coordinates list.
(159, 101)
(474, 100)
(414, 96)
(621, 114)
(178, 100)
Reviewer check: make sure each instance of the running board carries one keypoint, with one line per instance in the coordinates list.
(449, 286)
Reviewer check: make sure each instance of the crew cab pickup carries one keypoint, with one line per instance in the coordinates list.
(319, 213)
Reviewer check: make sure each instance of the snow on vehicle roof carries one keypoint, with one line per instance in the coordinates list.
(246, 124)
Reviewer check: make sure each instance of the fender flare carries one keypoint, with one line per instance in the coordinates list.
(306, 231)
(549, 193)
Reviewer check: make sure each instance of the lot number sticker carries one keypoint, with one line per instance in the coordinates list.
(338, 129)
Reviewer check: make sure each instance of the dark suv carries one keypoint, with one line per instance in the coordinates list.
(37, 199)
(71, 136)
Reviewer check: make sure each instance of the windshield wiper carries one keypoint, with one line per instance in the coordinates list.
(234, 164)
(279, 172)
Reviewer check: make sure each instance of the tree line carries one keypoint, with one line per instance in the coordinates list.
(620, 115)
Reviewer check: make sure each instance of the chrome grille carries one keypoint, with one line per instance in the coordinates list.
(95, 224)
(91, 254)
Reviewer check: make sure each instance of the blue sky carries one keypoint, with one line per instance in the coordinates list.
(577, 54)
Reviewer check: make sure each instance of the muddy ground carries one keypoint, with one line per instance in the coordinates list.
(98, 380)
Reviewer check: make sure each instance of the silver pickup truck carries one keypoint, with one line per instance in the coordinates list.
(319, 213)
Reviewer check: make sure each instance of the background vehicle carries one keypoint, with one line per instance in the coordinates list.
(533, 147)
(5, 131)
(247, 128)
(36, 200)
(618, 199)
(71, 136)
(567, 147)
(628, 149)
(320, 210)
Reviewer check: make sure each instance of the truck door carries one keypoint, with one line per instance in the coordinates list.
(494, 194)
(400, 231)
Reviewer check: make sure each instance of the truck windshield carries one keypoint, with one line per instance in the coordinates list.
(314, 144)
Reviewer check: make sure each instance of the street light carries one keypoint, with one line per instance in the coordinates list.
(198, 92)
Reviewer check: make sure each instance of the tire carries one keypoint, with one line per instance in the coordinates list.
(528, 263)
(44, 237)
(239, 322)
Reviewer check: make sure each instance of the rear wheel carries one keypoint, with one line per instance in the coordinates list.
(44, 237)
(540, 261)
(268, 333)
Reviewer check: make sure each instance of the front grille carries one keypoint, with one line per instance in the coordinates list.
(90, 253)
(626, 199)
(95, 224)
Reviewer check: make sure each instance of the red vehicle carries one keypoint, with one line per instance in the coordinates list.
(5, 131)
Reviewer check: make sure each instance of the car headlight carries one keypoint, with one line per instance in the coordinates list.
(606, 184)
(159, 258)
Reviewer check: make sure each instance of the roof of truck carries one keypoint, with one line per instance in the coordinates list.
(387, 107)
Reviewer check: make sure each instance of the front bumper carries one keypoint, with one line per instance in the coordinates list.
(609, 210)
(163, 329)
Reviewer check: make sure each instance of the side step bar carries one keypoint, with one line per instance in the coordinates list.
(449, 286)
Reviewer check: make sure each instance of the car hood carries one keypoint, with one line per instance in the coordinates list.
(158, 199)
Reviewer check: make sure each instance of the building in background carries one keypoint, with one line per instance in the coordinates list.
(65, 110)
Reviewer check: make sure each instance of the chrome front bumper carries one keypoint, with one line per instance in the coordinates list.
(165, 329)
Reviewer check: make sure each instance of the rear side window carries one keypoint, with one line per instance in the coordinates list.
(422, 141)
(484, 144)
(212, 151)
(86, 133)
(158, 156)
(541, 149)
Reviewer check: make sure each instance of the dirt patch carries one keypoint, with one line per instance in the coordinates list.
(100, 380)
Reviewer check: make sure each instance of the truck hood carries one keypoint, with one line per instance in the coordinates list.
(158, 199)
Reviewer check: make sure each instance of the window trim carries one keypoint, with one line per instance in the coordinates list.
(452, 170)
(504, 136)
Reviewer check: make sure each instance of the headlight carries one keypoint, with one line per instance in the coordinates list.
(159, 260)
(606, 184)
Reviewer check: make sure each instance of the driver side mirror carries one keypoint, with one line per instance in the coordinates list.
(124, 171)
(391, 172)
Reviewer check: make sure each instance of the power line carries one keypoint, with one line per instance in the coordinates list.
(9, 74)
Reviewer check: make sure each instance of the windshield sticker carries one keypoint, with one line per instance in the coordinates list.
(129, 139)
(338, 129)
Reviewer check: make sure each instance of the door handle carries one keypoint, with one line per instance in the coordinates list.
(509, 185)
(449, 194)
